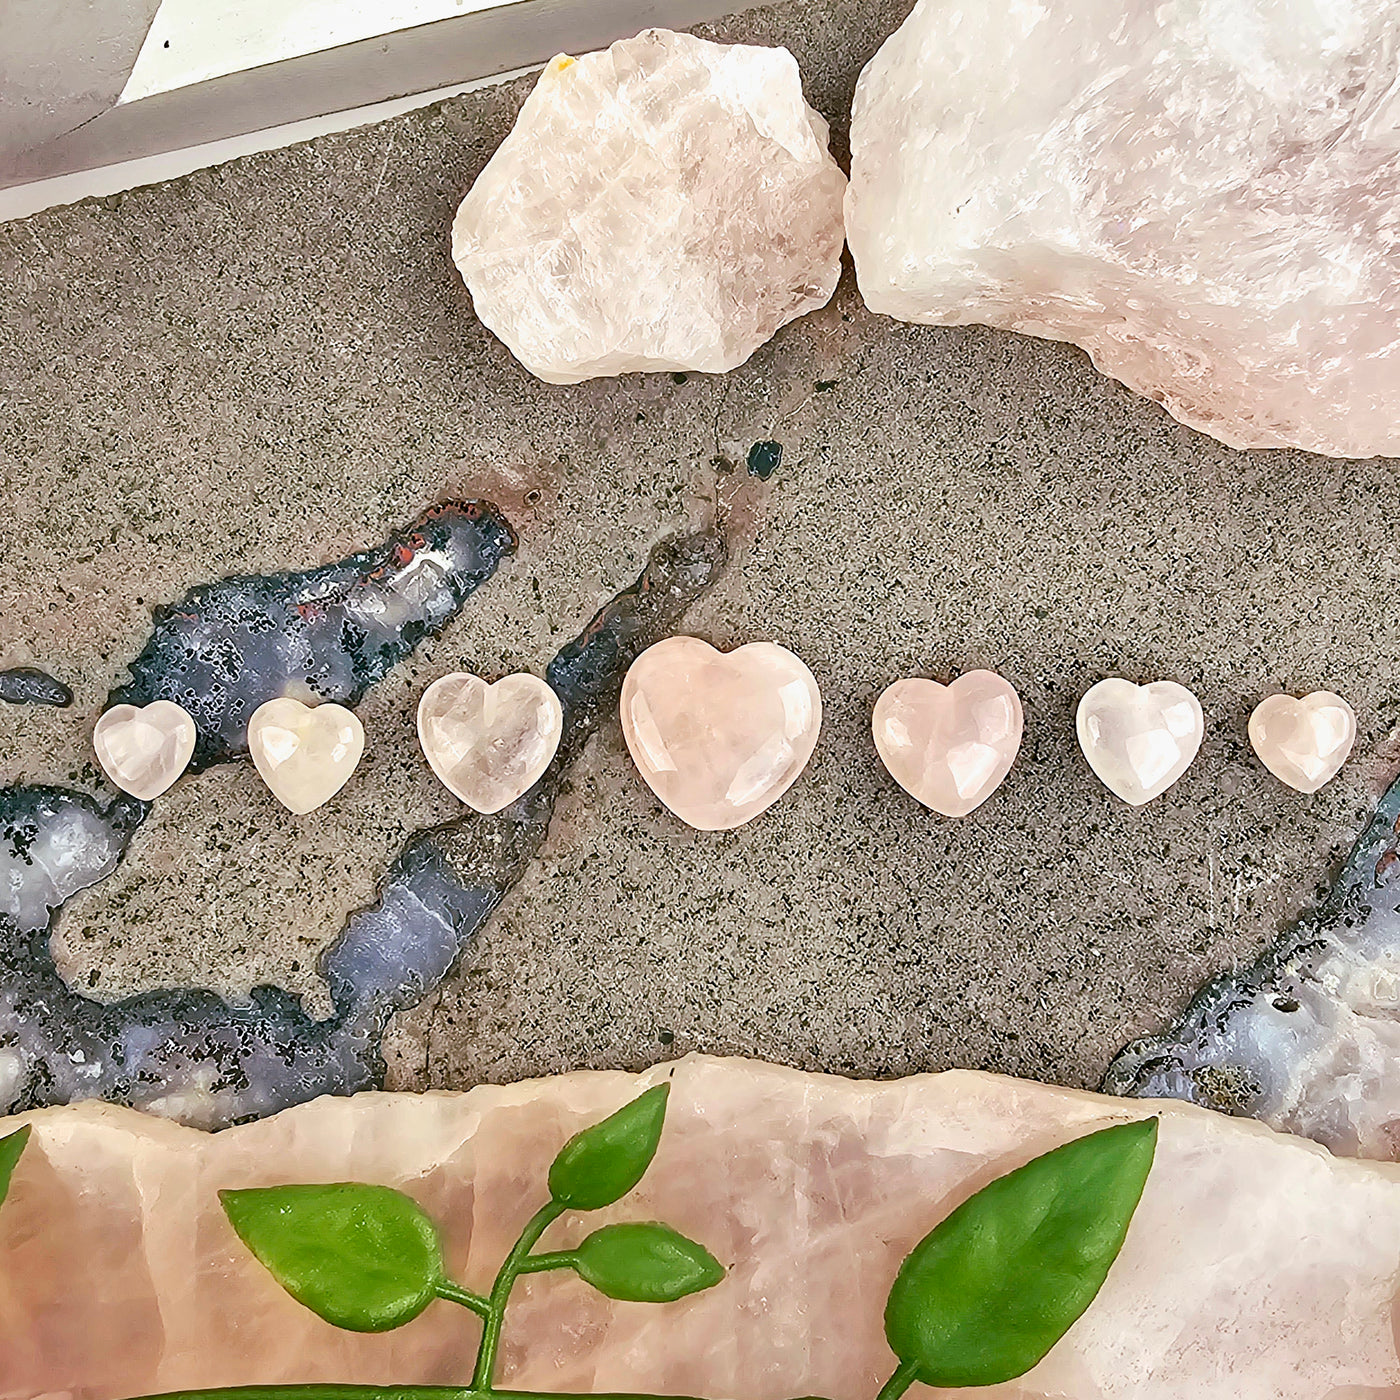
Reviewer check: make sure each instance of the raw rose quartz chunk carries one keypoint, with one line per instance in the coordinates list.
(1205, 196)
(1258, 1267)
(665, 205)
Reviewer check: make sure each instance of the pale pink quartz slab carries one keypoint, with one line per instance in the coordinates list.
(305, 755)
(1303, 743)
(949, 746)
(489, 744)
(1258, 1266)
(143, 751)
(1139, 739)
(719, 737)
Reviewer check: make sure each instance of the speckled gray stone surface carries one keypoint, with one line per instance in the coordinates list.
(268, 364)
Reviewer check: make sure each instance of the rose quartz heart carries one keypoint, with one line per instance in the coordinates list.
(489, 744)
(719, 737)
(143, 751)
(1139, 739)
(949, 746)
(304, 754)
(1303, 742)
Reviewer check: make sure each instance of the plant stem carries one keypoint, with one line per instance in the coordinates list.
(454, 1293)
(500, 1291)
(541, 1263)
(906, 1373)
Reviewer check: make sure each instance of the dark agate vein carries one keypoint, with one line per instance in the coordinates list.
(27, 685)
(195, 1057)
(1308, 1037)
(447, 881)
(330, 632)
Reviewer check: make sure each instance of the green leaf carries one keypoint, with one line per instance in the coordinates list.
(990, 1290)
(603, 1163)
(11, 1150)
(645, 1263)
(365, 1258)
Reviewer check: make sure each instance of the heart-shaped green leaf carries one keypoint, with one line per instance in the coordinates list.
(12, 1147)
(645, 1263)
(364, 1258)
(603, 1163)
(990, 1290)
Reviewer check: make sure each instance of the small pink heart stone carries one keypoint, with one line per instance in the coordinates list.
(719, 736)
(1303, 743)
(949, 746)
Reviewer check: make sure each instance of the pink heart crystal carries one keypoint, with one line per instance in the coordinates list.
(1303, 743)
(949, 746)
(719, 737)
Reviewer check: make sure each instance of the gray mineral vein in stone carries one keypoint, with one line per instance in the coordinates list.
(1307, 1038)
(194, 1056)
(28, 685)
(331, 632)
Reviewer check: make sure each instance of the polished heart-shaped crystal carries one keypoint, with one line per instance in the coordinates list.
(1139, 739)
(718, 736)
(1303, 743)
(949, 746)
(304, 754)
(143, 750)
(489, 744)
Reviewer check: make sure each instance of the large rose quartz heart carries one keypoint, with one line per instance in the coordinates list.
(719, 737)
(144, 750)
(489, 744)
(949, 746)
(1139, 739)
(1303, 742)
(304, 754)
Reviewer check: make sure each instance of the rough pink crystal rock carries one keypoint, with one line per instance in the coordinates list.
(665, 205)
(1204, 196)
(1258, 1266)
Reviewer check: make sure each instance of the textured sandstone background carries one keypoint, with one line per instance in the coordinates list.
(267, 364)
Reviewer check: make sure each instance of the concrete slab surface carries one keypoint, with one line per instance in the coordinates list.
(270, 363)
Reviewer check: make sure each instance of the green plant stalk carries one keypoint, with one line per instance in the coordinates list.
(516, 1263)
(542, 1263)
(454, 1293)
(906, 1373)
